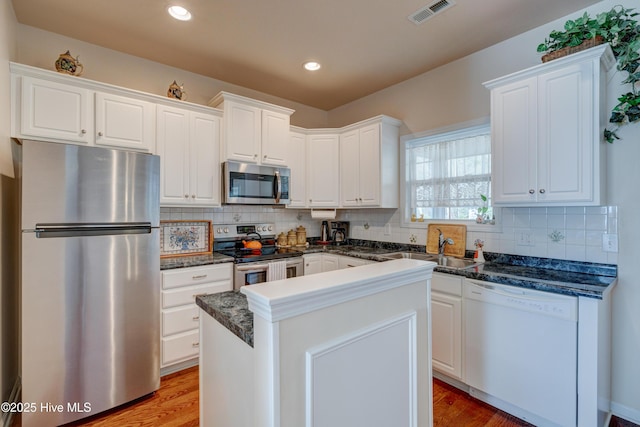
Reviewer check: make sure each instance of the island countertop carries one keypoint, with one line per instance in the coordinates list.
(232, 311)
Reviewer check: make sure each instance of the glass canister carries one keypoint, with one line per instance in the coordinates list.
(301, 236)
(291, 238)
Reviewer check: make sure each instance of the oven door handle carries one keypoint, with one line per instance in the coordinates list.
(278, 186)
(252, 267)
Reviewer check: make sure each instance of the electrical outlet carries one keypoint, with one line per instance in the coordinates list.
(387, 230)
(610, 242)
(525, 239)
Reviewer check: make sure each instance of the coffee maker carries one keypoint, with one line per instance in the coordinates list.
(339, 232)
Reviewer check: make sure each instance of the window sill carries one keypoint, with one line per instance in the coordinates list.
(471, 225)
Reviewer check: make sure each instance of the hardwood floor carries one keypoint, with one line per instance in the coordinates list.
(453, 407)
(176, 405)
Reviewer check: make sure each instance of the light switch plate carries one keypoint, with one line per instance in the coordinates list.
(610, 242)
(525, 239)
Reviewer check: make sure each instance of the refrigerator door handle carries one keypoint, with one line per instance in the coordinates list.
(44, 231)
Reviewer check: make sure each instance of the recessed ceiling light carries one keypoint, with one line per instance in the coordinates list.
(179, 13)
(312, 66)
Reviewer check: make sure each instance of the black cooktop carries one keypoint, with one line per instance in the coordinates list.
(241, 255)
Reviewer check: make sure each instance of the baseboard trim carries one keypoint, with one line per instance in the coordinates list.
(14, 396)
(625, 412)
(178, 367)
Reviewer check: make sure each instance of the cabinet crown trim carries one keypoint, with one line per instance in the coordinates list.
(603, 52)
(81, 82)
(226, 96)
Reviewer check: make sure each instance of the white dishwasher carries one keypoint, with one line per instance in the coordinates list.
(521, 351)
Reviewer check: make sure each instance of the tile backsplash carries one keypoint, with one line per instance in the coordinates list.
(572, 233)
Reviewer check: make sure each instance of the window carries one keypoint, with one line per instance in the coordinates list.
(448, 175)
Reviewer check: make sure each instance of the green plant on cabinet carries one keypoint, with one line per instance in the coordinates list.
(618, 28)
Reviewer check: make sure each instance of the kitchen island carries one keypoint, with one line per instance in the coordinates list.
(340, 348)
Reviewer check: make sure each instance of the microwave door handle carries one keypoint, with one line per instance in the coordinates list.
(278, 187)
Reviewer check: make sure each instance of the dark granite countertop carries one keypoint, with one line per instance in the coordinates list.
(571, 278)
(232, 311)
(193, 261)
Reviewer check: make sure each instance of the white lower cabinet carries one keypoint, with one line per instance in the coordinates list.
(312, 264)
(180, 315)
(349, 261)
(446, 321)
(320, 263)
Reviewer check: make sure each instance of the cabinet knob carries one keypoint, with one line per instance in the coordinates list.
(542, 191)
(195, 345)
(193, 196)
(196, 318)
(186, 196)
(83, 131)
(265, 156)
(99, 133)
(532, 191)
(255, 156)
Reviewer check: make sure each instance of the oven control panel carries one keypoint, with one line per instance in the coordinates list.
(232, 231)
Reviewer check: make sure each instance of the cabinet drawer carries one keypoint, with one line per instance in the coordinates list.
(180, 347)
(180, 319)
(196, 275)
(447, 284)
(187, 294)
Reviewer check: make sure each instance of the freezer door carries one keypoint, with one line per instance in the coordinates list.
(64, 183)
(90, 322)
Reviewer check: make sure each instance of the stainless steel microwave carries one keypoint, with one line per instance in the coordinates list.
(248, 184)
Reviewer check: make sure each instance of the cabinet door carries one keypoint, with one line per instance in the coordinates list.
(312, 264)
(369, 166)
(56, 111)
(350, 168)
(323, 170)
(568, 134)
(296, 160)
(204, 149)
(173, 148)
(514, 137)
(275, 138)
(124, 122)
(330, 262)
(446, 335)
(349, 261)
(242, 132)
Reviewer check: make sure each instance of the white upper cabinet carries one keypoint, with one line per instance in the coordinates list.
(124, 122)
(547, 125)
(54, 110)
(253, 131)
(297, 162)
(52, 107)
(323, 170)
(188, 145)
(369, 163)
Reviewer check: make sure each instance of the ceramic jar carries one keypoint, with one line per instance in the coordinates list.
(291, 238)
(301, 236)
(282, 239)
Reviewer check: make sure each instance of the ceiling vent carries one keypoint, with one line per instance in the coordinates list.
(430, 10)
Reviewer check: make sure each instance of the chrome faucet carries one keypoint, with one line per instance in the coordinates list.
(442, 241)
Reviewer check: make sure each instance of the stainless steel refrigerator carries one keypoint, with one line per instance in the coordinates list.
(90, 279)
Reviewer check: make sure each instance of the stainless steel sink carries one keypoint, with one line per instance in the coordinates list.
(410, 255)
(442, 261)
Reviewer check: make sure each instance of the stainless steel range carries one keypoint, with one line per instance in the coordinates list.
(255, 265)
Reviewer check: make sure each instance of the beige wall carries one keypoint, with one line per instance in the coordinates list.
(454, 94)
(448, 95)
(41, 49)
(8, 215)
